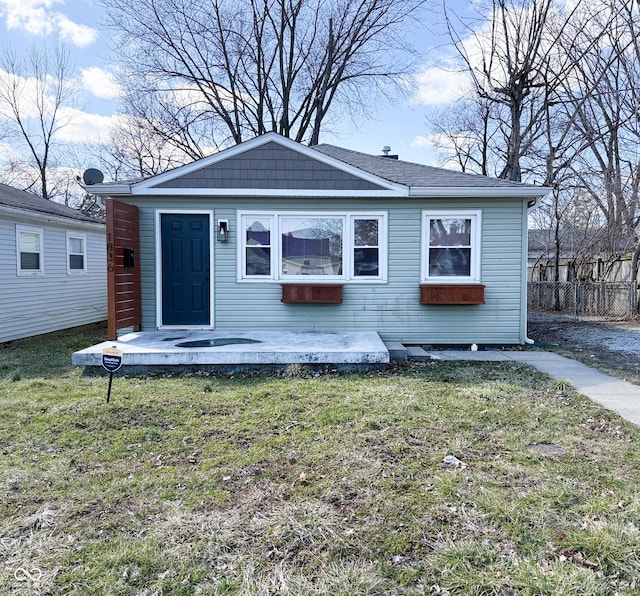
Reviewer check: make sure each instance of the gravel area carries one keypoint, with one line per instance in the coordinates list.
(610, 346)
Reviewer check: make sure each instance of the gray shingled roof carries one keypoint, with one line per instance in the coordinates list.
(19, 199)
(413, 174)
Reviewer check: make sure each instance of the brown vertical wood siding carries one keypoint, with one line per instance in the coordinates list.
(123, 268)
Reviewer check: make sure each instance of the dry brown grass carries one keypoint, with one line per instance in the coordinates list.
(296, 484)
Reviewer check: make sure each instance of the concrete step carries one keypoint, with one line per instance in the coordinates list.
(396, 350)
(417, 353)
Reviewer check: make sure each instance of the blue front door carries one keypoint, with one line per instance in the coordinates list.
(185, 269)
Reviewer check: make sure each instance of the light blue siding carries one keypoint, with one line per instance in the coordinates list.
(36, 304)
(391, 308)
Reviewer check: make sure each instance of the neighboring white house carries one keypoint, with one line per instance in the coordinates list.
(52, 266)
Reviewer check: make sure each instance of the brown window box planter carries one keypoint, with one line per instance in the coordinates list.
(312, 293)
(451, 294)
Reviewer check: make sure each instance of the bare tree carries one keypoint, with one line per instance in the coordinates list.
(609, 124)
(509, 50)
(34, 90)
(466, 134)
(134, 150)
(206, 74)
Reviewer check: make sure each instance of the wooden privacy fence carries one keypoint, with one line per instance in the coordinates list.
(603, 300)
(123, 267)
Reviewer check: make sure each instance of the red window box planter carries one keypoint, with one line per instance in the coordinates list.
(312, 293)
(452, 294)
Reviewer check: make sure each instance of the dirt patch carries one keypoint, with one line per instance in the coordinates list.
(612, 347)
(547, 449)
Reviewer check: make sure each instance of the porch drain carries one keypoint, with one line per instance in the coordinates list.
(214, 343)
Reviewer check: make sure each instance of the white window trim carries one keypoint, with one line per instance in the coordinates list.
(476, 241)
(30, 230)
(82, 237)
(347, 248)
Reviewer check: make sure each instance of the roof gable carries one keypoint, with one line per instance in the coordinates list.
(271, 166)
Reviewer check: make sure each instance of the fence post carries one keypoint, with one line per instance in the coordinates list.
(634, 297)
(575, 301)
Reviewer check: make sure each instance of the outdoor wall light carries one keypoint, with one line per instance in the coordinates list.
(223, 230)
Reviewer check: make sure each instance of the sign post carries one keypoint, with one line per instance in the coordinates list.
(111, 361)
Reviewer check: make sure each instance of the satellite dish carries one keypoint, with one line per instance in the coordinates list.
(92, 176)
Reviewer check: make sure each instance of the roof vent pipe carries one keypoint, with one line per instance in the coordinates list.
(385, 152)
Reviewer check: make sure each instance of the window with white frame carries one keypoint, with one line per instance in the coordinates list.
(29, 250)
(76, 253)
(306, 247)
(451, 241)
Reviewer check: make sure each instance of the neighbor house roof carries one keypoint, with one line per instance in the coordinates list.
(13, 199)
(576, 241)
(264, 166)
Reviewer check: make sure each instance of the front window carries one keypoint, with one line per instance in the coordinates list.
(303, 247)
(76, 254)
(366, 247)
(311, 246)
(257, 255)
(29, 248)
(452, 246)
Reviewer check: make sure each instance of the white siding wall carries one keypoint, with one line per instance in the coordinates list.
(392, 308)
(35, 304)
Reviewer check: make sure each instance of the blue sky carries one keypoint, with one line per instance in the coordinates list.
(77, 24)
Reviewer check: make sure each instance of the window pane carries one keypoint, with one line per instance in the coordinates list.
(30, 261)
(76, 245)
(258, 260)
(365, 232)
(450, 261)
(76, 262)
(450, 232)
(258, 232)
(29, 242)
(365, 261)
(312, 245)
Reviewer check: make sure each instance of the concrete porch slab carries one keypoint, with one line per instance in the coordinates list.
(198, 348)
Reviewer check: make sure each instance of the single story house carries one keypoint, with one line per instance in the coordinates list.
(52, 266)
(274, 235)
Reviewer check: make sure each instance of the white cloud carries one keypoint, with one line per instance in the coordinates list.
(38, 17)
(438, 86)
(79, 35)
(421, 141)
(8, 152)
(101, 83)
(83, 127)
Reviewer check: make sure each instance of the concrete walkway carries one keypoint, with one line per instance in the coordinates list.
(615, 394)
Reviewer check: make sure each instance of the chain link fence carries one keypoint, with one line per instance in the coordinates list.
(589, 300)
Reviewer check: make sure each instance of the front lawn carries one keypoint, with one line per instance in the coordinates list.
(302, 483)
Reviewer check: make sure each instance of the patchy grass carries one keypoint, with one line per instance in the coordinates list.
(302, 484)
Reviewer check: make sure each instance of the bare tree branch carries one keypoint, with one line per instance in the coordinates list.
(224, 71)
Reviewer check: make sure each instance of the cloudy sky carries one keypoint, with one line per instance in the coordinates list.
(77, 25)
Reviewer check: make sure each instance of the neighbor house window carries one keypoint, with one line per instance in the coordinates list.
(29, 250)
(451, 246)
(306, 247)
(76, 253)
